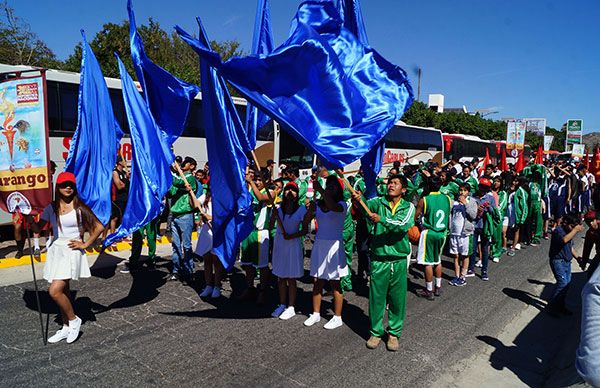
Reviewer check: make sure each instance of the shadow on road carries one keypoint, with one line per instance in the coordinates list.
(525, 297)
(85, 308)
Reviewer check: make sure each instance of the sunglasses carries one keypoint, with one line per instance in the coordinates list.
(66, 184)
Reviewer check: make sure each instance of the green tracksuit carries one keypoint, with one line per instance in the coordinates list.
(150, 231)
(535, 212)
(389, 251)
(450, 189)
(521, 198)
(497, 236)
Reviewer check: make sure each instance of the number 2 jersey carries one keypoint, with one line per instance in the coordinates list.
(436, 212)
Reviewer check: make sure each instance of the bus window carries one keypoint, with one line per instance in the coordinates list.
(116, 99)
(194, 125)
(69, 94)
(53, 107)
(292, 152)
(401, 137)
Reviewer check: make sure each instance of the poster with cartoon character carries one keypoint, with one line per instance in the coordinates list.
(24, 182)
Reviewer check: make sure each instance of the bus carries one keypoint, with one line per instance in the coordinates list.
(467, 147)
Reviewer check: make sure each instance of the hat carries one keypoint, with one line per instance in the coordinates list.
(290, 184)
(591, 215)
(270, 162)
(64, 177)
(485, 182)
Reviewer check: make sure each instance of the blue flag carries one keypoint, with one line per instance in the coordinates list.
(150, 164)
(339, 111)
(371, 163)
(168, 97)
(93, 152)
(261, 45)
(232, 216)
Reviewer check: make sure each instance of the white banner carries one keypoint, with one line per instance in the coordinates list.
(548, 142)
(578, 150)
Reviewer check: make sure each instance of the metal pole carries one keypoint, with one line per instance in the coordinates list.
(37, 291)
(419, 86)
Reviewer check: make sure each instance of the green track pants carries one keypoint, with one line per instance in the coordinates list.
(537, 223)
(388, 288)
(150, 231)
(346, 281)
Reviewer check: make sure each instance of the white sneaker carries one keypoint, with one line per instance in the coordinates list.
(216, 293)
(59, 336)
(312, 319)
(288, 313)
(478, 264)
(208, 290)
(334, 323)
(278, 311)
(74, 327)
(517, 247)
(496, 259)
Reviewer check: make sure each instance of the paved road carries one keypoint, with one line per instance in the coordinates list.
(143, 330)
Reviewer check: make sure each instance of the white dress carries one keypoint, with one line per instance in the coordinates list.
(328, 260)
(205, 235)
(62, 262)
(288, 255)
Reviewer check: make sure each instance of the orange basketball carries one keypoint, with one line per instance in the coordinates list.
(414, 234)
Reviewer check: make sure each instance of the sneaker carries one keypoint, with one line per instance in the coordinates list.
(216, 293)
(37, 253)
(437, 291)
(373, 342)
(478, 264)
(534, 244)
(74, 327)
(334, 323)
(510, 253)
(496, 259)
(312, 319)
(461, 282)
(517, 247)
(208, 290)
(60, 335)
(423, 293)
(392, 343)
(280, 308)
(470, 274)
(288, 313)
(125, 269)
(546, 236)
(484, 276)
(454, 282)
(174, 277)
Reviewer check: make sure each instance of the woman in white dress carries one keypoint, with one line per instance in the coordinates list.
(288, 253)
(70, 219)
(213, 269)
(328, 260)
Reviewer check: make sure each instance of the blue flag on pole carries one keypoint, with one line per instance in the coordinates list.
(232, 216)
(168, 97)
(93, 151)
(261, 45)
(339, 112)
(150, 164)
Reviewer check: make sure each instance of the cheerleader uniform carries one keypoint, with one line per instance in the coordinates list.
(328, 260)
(62, 262)
(288, 255)
(205, 236)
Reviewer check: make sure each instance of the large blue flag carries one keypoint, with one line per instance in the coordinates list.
(150, 164)
(261, 45)
(339, 111)
(93, 152)
(232, 216)
(168, 97)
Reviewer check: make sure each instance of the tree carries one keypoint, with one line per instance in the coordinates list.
(19, 45)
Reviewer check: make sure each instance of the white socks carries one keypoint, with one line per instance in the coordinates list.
(36, 242)
(438, 282)
(429, 286)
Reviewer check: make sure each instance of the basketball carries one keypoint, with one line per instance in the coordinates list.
(414, 234)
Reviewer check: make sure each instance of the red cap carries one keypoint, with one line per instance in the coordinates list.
(65, 177)
(591, 215)
(485, 182)
(290, 184)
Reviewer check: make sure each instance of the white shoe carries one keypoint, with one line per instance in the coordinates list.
(216, 293)
(496, 259)
(59, 336)
(74, 327)
(288, 313)
(334, 323)
(517, 247)
(312, 319)
(280, 308)
(478, 264)
(208, 290)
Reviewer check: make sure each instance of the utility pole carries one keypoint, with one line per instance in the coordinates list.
(419, 85)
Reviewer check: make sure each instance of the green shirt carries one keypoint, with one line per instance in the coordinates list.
(450, 189)
(180, 199)
(436, 212)
(389, 238)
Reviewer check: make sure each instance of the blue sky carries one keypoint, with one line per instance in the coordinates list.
(525, 58)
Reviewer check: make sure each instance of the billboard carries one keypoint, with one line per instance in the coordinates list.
(515, 134)
(548, 142)
(578, 150)
(536, 126)
(24, 171)
(574, 131)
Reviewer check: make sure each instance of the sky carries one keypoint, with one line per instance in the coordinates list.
(520, 58)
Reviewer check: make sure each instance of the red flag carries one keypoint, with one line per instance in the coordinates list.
(595, 165)
(539, 156)
(520, 165)
(587, 159)
(486, 161)
(503, 164)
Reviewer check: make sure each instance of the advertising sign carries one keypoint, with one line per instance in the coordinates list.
(515, 134)
(574, 131)
(24, 173)
(578, 150)
(548, 142)
(536, 126)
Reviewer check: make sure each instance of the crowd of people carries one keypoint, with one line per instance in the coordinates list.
(471, 212)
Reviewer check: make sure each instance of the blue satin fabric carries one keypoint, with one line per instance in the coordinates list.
(232, 216)
(351, 13)
(262, 44)
(150, 164)
(93, 152)
(168, 97)
(333, 94)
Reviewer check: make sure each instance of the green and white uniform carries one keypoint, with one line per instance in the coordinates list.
(255, 248)
(496, 248)
(436, 220)
(390, 249)
(521, 199)
(535, 212)
(450, 189)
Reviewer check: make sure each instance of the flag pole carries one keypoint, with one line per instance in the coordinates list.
(269, 193)
(353, 192)
(37, 291)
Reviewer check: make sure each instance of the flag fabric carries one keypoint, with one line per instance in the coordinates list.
(150, 164)
(595, 165)
(168, 97)
(262, 44)
(503, 163)
(93, 151)
(340, 104)
(351, 13)
(232, 215)
(487, 160)
(520, 165)
(539, 156)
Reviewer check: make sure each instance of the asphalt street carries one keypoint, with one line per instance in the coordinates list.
(142, 330)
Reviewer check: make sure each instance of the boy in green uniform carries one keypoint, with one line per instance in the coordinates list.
(449, 187)
(466, 177)
(521, 199)
(499, 237)
(390, 248)
(535, 209)
(435, 209)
